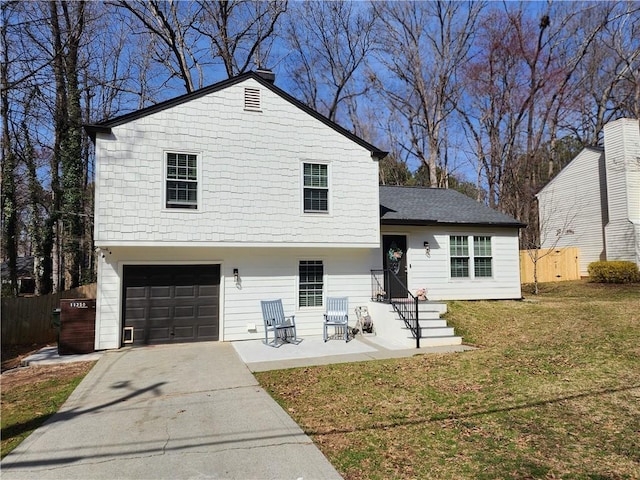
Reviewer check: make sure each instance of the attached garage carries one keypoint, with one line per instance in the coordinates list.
(170, 303)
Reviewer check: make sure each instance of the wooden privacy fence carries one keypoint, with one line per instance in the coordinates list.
(554, 264)
(27, 320)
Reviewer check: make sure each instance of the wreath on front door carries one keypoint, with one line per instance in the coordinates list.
(395, 255)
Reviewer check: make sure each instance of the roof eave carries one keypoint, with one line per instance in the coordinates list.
(435, 223)
(93, 130)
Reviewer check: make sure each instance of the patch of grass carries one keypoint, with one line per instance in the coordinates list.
(32, 395)
(553, 392)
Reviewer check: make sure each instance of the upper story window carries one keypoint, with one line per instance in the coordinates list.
(465, 260)
(182, 180)
(316, 187)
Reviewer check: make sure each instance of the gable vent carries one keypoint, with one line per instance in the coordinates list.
(252, 99)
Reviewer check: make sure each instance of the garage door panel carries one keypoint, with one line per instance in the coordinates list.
(208, 291)
(166, 303)
(136, 292)
(207, 332)
(157, 335)
(161, 292)
(136, 313)
(159, 313)
(186, 291)
(184, 312)
(206, 311)
(184, 332)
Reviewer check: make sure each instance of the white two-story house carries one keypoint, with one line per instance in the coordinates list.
(212, 201)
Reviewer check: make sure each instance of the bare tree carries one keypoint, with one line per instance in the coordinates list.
(609, 77)
(172, 38)
(522, 83)
(329, 44)
(240, 32)
(423, 44)
(47, 125)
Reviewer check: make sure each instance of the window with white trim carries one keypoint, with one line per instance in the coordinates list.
(470, 260)
(311, 278)
(482, 256)
(316, 187)
(459, 251)
(182, 180)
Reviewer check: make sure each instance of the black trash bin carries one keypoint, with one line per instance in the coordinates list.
(55, 319)
(55, 323)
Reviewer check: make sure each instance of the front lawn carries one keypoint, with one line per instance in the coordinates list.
(31, 395)
(552, 392)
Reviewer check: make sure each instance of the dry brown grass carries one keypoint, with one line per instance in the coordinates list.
(553, 392)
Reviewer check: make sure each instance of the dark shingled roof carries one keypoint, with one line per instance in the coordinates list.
(437, 206)
(24, 267)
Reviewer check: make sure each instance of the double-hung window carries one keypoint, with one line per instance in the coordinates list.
(459, 251)
(482, 256)
(182, 180)
(316, 187)
(470, 256)
(311, 278)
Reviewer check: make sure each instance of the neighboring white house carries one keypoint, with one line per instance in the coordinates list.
(236, 193)
(594, 202)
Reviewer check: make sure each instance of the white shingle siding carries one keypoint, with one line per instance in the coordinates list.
(251, 183)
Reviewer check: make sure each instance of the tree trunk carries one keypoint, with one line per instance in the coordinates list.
(9, 163)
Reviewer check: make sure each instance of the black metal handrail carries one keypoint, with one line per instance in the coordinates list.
(406, 307)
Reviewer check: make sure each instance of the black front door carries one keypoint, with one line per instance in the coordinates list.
(394, 251)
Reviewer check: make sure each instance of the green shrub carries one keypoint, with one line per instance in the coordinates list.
(614, 272)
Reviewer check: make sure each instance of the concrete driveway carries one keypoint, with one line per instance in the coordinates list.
(174, 412)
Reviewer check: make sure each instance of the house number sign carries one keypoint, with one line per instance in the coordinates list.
(78, 305)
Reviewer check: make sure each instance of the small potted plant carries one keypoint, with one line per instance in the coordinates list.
(421, 294)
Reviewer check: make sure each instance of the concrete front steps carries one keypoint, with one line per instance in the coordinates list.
(435, 333)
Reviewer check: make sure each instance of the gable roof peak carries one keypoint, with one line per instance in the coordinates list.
(265, 78)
